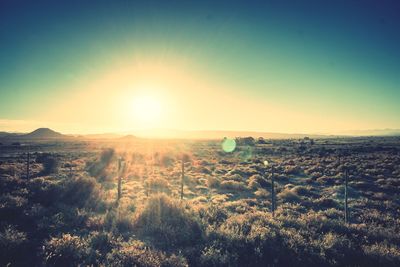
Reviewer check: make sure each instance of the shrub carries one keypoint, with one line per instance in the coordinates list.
(67, 250)
(245, 141)
(205, 170)
(12, 242)
(122, 223)
(233, 185)
(101, 241)
(135, 253)
(337, 249)
(157, 185)
(326, 203)
(288, 195)
(252, 239)
(213, 215)
(100, 244)
(215, 256)
(327, 180)
(303, 191)
(106, 155)
(49, 162)
(167, 223)
(381, 254)
(213, 182)
(295, 170)
(166, 160)
(98, 168)
(175, 261)
(11, 206)
(262, 193)
(256, 180)
(81, 191)
(234, 177)
(253, 184)
(44, 190)
(8, 169)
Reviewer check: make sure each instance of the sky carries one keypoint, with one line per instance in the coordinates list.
(271, 66)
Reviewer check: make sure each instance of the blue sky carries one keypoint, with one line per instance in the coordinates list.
(332, 64)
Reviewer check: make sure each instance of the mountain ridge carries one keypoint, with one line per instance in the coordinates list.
(47, 133)
(38, 134)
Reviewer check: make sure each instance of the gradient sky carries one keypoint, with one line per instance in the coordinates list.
(276, 66)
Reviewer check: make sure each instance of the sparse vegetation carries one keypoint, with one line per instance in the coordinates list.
(224, 219)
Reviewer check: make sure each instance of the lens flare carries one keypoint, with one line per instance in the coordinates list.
(228, 145)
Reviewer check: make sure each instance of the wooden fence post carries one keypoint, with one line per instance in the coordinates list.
(346, 208)
(119, 178)
(273, 203)
(183, 176)
(28, 163)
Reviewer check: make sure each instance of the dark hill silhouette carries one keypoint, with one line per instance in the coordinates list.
(43, 133)
(7, 134)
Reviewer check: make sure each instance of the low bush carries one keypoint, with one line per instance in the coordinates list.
(167, 224)
(339, 249)
(166, 160)
(12, 242)
(381, 254)
(213, 182)
(82, 191)
(233, 185)
(213, 215)
(295, 170)
(262, 193)
(49, 162)
(288, 195)
(256, 180)
(157, 185)
(135, 253)
(98, 168)
(44, 190)
(66, 250)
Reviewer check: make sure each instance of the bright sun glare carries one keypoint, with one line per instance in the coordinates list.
(147, 109)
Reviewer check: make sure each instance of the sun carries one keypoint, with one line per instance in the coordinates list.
(147, 109)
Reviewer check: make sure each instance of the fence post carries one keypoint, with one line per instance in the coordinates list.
(119, 178)
(70, 166)
(346, 208)
(28, 163)
(273, 203)
(183, 176)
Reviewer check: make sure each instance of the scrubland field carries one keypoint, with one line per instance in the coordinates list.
(64, 208)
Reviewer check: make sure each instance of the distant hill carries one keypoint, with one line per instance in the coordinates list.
(43, 133)
(38, 134)
(156, 133)
(7, 134)
(181, 134)
(49, 134)
(267, 135)
(374, 132)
